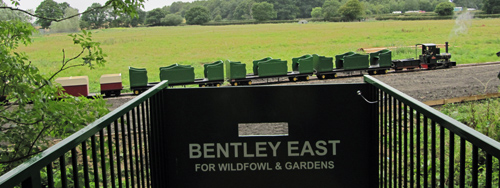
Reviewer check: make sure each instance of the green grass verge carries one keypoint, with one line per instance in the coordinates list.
(155, 47)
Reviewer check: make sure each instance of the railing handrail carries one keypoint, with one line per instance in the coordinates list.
(478, 139)
(25, 170)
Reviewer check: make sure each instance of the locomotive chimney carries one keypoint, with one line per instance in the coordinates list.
(446, 45)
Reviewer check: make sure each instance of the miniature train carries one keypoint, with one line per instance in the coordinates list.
(303, 67)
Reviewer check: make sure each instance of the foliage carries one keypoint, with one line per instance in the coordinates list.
(49, 9)
(218, 18)
(330, 9)
(69, 25)
(482, 116)
(197, 15)
(155, 16)
(33, 110)
(263, 11)
(492, 6)
(317, 12)
(243, 10)
(351, 10)
(444, 9)
(6, 14)
(95, 17)
(172, 20)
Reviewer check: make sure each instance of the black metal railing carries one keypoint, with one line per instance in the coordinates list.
(421, 147)
(111, 152)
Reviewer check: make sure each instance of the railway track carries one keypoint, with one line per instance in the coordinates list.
(411, 82)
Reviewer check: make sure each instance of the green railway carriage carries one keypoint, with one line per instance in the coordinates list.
(351, 61)
(235, 70)
(303, 64)
(256, 64)
(382, 58)
(177, 74)
(272, 67)
(138, 78)
(214, 71)
(322, 63)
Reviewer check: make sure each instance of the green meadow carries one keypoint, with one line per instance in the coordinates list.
(472, 41)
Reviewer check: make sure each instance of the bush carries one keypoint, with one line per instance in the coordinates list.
(316, 12)
(197, 15)
(172, 20)
(444, 9)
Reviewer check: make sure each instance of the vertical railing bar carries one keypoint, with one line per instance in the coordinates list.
(124, 147)
(118, 161)
(153, 141)
(390, 141)
(162, 154)
(395, 141)
(405, 123)
(441, 157)
(74, 163)
(134, 127)
(111, 156)
(475, 157)
(50, 175)
(86, 178)
(489, 171)
(382, 137)
(103, 159)
(418, 175)
(146, 142)
(433, 153)
(426, 176)
(141, 148)
(412, 146)
(131, 161)
(400, 143)
(64, 178)
(451, 159)
(386, 136)
(140, 125)
(94, 160)
(462, 162)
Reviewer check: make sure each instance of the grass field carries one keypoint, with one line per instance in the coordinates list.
(155, 47)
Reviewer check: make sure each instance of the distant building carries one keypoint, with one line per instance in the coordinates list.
(396, 12)
(457, 9)
(471, 9)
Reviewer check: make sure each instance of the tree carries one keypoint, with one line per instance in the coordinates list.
(243, 10)
(306, 7)
(29, 118)
(316, 12)
(491, 6)
(69, 25)
(197, 15)
(49, 9)
(263, 11)
(7, 15)
(444, 9)
(351, 10)
(172, 20)
(94, 16)
(154, 16)
(331, 9)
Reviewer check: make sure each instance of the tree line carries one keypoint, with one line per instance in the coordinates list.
(199, 12)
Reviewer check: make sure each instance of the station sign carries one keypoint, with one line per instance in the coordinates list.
(268, 136)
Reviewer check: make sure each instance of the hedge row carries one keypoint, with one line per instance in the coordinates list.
(413, 17)
(243, 22)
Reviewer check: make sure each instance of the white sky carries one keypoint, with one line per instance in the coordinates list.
(82, 5)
